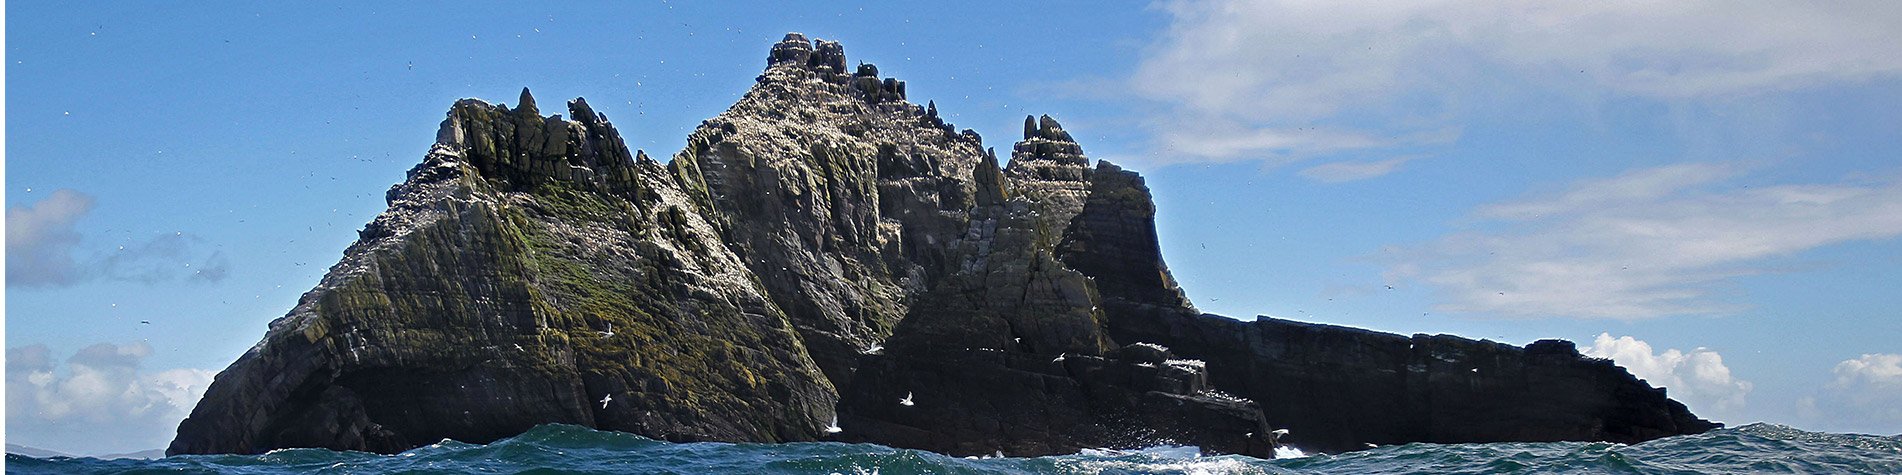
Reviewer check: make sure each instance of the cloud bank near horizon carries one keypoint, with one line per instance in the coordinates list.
(1863, 394)
(101, 397)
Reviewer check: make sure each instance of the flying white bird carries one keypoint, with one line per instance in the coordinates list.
(834, 427)
(906, 401)
(875, 349)
(610, 332)
(1059, 358)
(605, 399)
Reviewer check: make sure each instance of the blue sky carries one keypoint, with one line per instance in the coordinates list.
(1708, 193)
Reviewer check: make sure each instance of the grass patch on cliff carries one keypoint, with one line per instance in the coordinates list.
(688, 354)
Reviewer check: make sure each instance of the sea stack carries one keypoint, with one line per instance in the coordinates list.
(817, 253)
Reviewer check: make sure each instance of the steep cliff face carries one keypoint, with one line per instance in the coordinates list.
(527, 270)
(822, 251)
(839, 194)
(1010, 352)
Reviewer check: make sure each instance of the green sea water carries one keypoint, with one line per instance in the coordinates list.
(1756, 448)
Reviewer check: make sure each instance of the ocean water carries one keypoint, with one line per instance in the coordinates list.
(1756, 448)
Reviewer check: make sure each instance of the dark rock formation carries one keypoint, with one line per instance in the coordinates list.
(1338, 388)
(825, 249)
(1010, 353)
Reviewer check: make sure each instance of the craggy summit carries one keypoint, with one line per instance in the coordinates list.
(818, 253)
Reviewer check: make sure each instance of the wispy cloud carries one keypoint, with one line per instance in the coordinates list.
(162, 259)
(1698, 378)
(100, 398)
(43, 245)
(1337, 172)
(1864, 393)
(1651, 242)
(1369, 72)
(1232, 140)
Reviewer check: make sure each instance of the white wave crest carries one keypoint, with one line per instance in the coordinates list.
(1159, 459)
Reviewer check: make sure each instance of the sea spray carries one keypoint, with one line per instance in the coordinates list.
(1285, 452)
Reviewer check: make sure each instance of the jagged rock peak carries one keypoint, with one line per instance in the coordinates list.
(1050, 169)
(1045, 140)
(1045, 128)
(1050, 130)
(794, 49)
(827, 54)
(580, 111)
(526, 104)
(826, 60)
(520, 147)
(797, 50)
(1048, 153)
(992, 188)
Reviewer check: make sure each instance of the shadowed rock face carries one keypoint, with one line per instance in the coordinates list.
(821, 250)
(1010, 353)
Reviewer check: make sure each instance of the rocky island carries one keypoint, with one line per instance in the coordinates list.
(828, 260)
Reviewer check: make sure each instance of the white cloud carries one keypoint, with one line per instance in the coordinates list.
(1870, 370)
(100, 402)
(1697, 378)
(1280, 67)
(1338, 172)
(42, 241)
(1865, 394)
(1651, 242)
